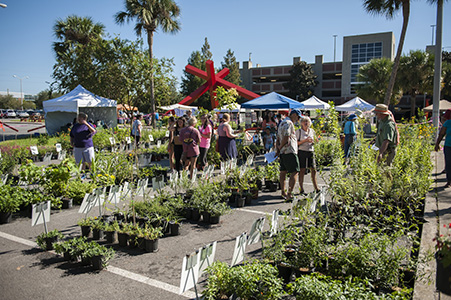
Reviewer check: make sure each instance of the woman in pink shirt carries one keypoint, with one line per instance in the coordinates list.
(205, 130)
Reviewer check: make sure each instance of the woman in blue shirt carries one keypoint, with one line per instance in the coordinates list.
(350, 133)
(446, 131)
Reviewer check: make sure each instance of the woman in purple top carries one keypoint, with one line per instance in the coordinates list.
(190, 137)
(226, 141)
(81, 140)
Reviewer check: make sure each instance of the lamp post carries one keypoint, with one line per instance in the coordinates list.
(21, 93)
(335, 47)
(432, 27)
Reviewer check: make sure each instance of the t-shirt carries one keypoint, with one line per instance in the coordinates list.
(205, 142)
(447, 125)
(302, 135)
(82, 136)
(386, 131)
(135, 127)
(286, 128)
(349, 128)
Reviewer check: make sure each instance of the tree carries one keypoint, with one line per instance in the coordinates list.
(374, 78)
(190, 82)
(416, 74)
(74, 31)
(302, 81)
(44, 96)
(388, 8)
(8, 101)
(231, 63)
(151, 15)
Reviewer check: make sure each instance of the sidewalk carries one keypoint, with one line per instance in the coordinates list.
(437, 213)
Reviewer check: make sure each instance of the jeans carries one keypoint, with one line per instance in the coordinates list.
(349, 139)
(447, 152)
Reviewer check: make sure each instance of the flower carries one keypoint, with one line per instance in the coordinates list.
(443, 247)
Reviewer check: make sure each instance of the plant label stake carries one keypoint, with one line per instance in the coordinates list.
(249, 160)
(141, 188)
(4, 178)
(190, 266)
(88, 203)
(193, 180)
(240, 248)
(274, 222)
(207, 257)
(294, 205)
(150, 138)
(58, 147)
(47, 157)
(34, 150)
(41, 214)
(222, 168)
(254, 235)
(128, 140)
(158, 144)
(167, 133)
(155, 184)
(126, 191)
(62, 155)
(115, 194)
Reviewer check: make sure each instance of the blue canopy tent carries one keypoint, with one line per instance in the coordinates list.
(272, 101)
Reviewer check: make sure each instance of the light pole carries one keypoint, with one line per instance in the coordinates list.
(21, 93)
(432, 27)
(335, 47)
(437, 66)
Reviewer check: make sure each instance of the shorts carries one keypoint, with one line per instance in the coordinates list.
(289, 163)
(306, 159)
(83, 155)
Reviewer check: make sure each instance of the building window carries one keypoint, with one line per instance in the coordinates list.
(361, 54)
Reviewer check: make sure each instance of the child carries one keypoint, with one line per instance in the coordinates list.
(256, 138)
(268, 139)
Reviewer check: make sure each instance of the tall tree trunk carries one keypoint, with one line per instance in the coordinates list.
(152, 91)
(391, 83)
(413, 102)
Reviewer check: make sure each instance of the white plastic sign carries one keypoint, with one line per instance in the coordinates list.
(89, 201)
(274, 222)
(158, 143)
(206, 257)
(167, 133)
(239, 249)
(58, 148)
(128, 140)
(112, 141)
(190, 272)
(40, 213)
(150, 137)
(255, 233)
(34, 150)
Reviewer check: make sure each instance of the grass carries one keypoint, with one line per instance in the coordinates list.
(27, 142)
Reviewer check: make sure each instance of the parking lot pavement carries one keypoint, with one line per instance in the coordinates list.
(22, 127)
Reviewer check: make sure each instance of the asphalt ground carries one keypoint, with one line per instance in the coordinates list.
(29, 273)
(22, 127)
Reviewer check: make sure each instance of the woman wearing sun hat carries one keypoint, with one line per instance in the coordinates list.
(446, 131)
(387, 138)
(350, 133)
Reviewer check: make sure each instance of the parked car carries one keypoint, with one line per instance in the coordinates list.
(2, 113)
(22, 114)
(11, 113)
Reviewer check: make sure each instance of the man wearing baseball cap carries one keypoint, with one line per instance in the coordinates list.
(287, 150)
(387, 138)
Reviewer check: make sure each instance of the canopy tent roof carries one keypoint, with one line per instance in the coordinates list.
(444, 105)
(272, 101)
(178, 106)
(354, 104)
(235, 107)
(313, 103)
(78, 97)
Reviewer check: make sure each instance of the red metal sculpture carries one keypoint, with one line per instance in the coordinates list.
(213, 81)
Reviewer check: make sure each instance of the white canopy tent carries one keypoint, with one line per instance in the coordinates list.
(235, 107)
(443, 105)
(62, 110)
(313, 103)
(179, 109)
(354, 104)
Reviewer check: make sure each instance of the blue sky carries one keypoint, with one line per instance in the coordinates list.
(274, 31)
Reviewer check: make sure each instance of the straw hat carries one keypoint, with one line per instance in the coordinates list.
(381, 109)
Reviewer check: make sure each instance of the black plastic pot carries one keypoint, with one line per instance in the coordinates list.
(151, 245)
(175, 228)
(196, 215)
(67, 203)
(132, 241)
(97, 234)
(443, 278)
(122, 239)
(85, 231)
(5, 217)
(97, 262)
(214, 219)
(49, 242)
(239, 202)
(67, 256)
(206, 217)
(188, 213)
(285, 272)
(141, 243)
(248, 199)
(110, 236)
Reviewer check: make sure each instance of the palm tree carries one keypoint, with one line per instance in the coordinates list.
(75, 30)
(151, 15)
(416, 72)
(389, 8)
(373, 78)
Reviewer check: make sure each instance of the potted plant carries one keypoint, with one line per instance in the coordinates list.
(110, 231)
(151, 235)
(99, 255)
(97, 226)
(443, 257)
(217, 210)
(85, 225)
(122, 234)
(174, 226)
(45, 240)
(8, 203)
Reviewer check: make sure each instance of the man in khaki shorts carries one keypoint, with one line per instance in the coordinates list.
(287, 150)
